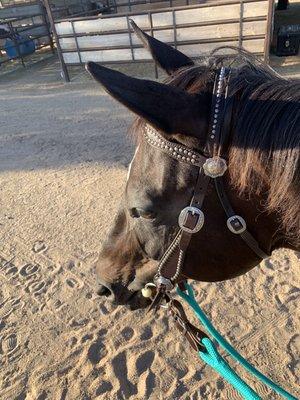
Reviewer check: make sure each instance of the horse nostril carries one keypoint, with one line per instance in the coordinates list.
(103, 291)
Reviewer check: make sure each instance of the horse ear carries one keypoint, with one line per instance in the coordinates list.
(167, 108)
(164, 55)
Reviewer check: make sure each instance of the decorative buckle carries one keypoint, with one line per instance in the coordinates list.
(214, 167)
(191, 219)
(236, 224)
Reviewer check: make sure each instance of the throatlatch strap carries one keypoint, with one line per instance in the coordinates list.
(246, 235)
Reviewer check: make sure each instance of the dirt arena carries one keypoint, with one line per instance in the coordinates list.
(63, 162)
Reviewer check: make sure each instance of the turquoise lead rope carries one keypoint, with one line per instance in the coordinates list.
(213, 358)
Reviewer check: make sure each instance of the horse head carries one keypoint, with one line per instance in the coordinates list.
(159, 186)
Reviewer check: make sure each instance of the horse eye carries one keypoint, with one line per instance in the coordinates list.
(146, 214)
(139, 212)
(134, 213)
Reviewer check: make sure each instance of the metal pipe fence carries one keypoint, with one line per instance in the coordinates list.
(109, 39)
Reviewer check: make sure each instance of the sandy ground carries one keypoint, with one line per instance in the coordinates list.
(63, 160)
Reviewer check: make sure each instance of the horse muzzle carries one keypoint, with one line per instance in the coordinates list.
(119, 294)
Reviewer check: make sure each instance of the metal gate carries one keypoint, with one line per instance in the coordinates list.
(193, 29)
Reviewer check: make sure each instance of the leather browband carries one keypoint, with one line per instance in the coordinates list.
(174, 150)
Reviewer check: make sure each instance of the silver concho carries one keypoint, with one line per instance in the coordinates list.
(194, 211)
(214, 167)
(236, 224)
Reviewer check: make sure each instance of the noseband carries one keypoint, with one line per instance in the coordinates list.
(211, 164)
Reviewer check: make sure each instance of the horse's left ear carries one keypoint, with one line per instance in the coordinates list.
(164, 55)
(167, 108)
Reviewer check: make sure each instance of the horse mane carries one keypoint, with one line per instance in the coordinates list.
(264, 156)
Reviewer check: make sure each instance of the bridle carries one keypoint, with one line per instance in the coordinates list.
(211, 165)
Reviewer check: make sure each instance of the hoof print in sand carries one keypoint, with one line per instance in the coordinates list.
(104, 387)
(74, 283)
(39, 246)
(29, 269)
(36, 288)
(97, 350)
(9, 344)
(9, 306)
(127, 333)
(7, 268)
(147, 333)
(293, 348)
(120, 368)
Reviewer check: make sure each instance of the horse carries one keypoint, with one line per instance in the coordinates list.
(262, 181)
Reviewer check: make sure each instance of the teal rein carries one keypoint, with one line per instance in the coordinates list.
(213, 358)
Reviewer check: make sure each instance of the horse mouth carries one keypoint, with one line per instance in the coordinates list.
(136, 301)
(132, 299)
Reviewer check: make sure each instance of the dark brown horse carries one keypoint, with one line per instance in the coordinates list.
(262, 182)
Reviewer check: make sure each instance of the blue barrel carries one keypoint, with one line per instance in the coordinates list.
(26, 46)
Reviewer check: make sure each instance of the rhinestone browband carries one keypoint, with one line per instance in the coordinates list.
(175, 150)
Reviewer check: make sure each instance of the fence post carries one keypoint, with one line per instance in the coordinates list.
(269, 31)
(130, 38)
(241, 23)
(45, 21)
(59, 51)
(152, 34)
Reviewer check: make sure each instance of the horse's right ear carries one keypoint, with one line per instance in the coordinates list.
(164, 55)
